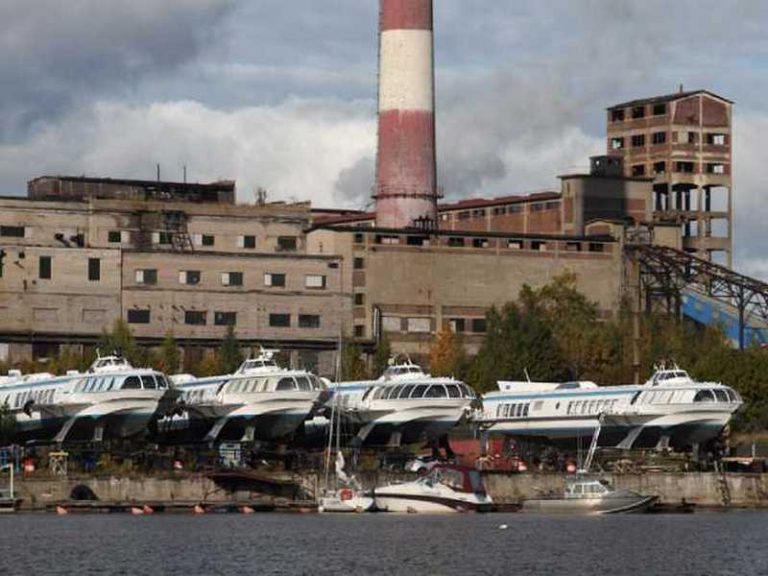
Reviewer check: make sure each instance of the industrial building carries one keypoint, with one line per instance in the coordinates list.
(78, 252)
(683, 142)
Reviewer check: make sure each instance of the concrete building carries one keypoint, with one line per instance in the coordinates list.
(69, 268)
(683, 141)
(407, 285)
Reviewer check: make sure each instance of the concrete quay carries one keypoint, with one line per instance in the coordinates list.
(281, 491)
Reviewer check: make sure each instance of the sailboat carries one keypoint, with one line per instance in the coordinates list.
(341, 491)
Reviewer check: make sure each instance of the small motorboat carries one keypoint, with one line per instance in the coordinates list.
(585, 496)
(344, 500)
(445, 488)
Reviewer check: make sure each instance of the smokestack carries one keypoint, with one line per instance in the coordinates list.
(406, 191)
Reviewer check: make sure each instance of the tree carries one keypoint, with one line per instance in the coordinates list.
(7, 425)
(381, 357)
(120, 340)
(352, 364)
(229, 352)
(170, 355)
(446, 354)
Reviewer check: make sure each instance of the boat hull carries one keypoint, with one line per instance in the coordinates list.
(626, 504)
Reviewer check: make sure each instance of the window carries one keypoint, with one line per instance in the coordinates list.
(478, 325)
(191, 277)
(659, 137)
(12, 231)
(309, 321)
(659, 109)
(638, 112)
(691, 138)
(358, 263)
(716, 139)
(195, 317)
(500, 211)
(44, 268)
(638, 170)
(596, 247)
(164, 238)
(478, 213)
(617, 143)
(274, 280)
(147, 276)
(466, 215)
(455, 241)
(225, 318)
(457, 325)
(359, 299)
(539, 245)
(132, 383)
(638, 140)
(280, 320)
(479, 243)
(686, 167)
(114, 237)
(231, 278)
(359, 238)
(248, 241)
(314, 281)
(359, 331)
(659, 167)
(419, 325)
(94, 269)
(138, 316)
(716, 168)
(207, 240)
(286, 243)
(617, 116)
(286, 383)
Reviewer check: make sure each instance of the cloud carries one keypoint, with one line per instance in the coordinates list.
(296, 150)
(56, 56)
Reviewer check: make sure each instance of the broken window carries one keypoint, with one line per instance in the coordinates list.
(716, 139)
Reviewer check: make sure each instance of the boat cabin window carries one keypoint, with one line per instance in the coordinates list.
(453, 391)
(635, 397)
(406, 391)
(419, 391)
(395, 392)
(436, 391)
(720, 395)
(132, 383)
(468, 392)
(149, 382)
(732, 395)
(286, 383)
(304, 383)
(704, 396)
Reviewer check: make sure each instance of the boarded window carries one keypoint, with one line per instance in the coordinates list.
(315, 281)
(309, 321)
(419, 325)
(391, 324)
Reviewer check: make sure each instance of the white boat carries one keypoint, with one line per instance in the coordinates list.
(259, 401)
(444, 489)
(112, 400)
(669, 410)
(404, 405)
(341, 491)
(589, 496)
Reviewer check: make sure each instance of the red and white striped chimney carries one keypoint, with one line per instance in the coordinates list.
(406, 190)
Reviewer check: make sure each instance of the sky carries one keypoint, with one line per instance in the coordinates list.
(281, 94)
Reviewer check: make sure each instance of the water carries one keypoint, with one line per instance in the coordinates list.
(696, 544)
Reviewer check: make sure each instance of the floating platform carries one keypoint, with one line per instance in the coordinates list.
(140, 507)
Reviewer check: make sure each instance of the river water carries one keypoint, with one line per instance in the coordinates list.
(696, 544)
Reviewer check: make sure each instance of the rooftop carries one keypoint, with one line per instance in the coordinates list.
(667, 98)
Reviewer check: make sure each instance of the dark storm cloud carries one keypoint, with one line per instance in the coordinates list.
(56, 56)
